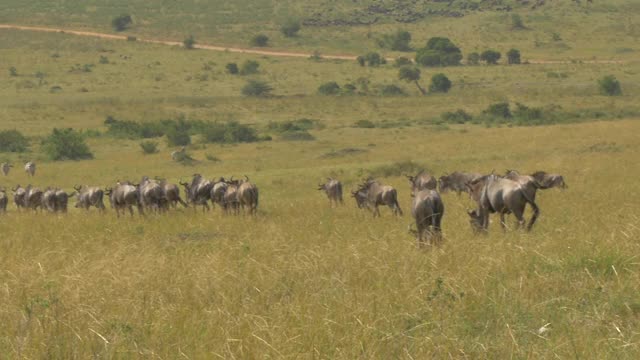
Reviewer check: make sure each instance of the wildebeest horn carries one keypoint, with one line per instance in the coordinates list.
(14, 190)
(230, 180)
(246, 177)
(77, 187)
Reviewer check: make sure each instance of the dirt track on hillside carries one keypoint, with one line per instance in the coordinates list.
(250, 51)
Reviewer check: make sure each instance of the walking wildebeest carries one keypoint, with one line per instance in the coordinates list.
(3, 200)
(49, 199)
(456, 181)
(198, 191)
(548, 181)
(422, 181)
(333, 189)
(124, 196)
(427, 209)
(5, 167)
(230, 198)
(495, 194)
(88, 197)
(171, 193)
(217, 192)
(30, 168)
(378, 194)
(62, 200)
(33, 197)
(152, 195)
(19, 196)
(248, 196)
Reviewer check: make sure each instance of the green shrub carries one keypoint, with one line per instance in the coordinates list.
(228, 133)
(294, 125)
(212, 158)
(132, 38)
(513, 57)
(516, 22)
(473, 58)
(121, 22)
(66, 144)
(257, 88)
(499, 110)
(13, 141)
(364, 124)
(439, 51)
(402, 61)
(329, 88)
(360, 59)
(149, 147)
(373, 59)
(290, 28)
(396, 169)
(456, 117)
(610, 86)
(249, 67)
(189, 43)
(392, 90)
(527, 114)
(398, 41)
(440, 83)
(178, 133)
(491, 57)
(301, 135)
(232, 68)
(259, 40)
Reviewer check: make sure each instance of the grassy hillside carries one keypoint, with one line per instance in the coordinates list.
(302, 280)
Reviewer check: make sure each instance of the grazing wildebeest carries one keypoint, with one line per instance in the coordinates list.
(230, 198)
(217, 192)
(152, 195)
(88, 197)
(33, 197)
(361, 198)
(3, 200)
(422, 181)
(456, 181)
(198, 191)
(6, 167)
(548, 181)
(124, 196)
(171, 193)
(49, 199)
(62, 200)
(378, 194)
(427, 210)
(248, 196)
(30, 168)
(504, 196)
(333, 189)
(19, 196)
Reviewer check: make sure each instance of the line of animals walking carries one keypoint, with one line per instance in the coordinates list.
(502, 194)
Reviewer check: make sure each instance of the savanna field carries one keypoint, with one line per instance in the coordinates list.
(302, 279)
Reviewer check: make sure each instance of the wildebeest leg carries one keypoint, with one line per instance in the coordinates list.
(130, 210)
(502, 222)
(519, 214)
(397, 209)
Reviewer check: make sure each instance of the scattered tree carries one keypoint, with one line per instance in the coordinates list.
(249, 67)
(290, 28)
(610, 86)
(329, 88)
(121, 22)
(371, 59)
(13, 71)
(499, 110)
(411, 74)
(392, 90)
(149, 147)
(13, 141)
(513, 56)
(491, 57)
(516, 22)
(232, 68)
(189, 43)
(402, 61)
(439, 51)
(257, 88)
(473, 58)
(260, 40)
(360, 59)
(178, 133)
(66, 144)
(440, 83)
(398, 41)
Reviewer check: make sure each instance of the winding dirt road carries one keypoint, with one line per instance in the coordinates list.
(249, 51)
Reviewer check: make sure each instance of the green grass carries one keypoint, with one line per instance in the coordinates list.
(302, 280)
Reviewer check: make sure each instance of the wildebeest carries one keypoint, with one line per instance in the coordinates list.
(62, 200)
(504, 196)
(360, 196)
(218, 190)
(456, 181)
(49, 199)
(230, 198)
(378, 194)
(427, 209)
(19, 196)
(30, 168)
(152, 195)
(179, 154)
(125, 196)
(33, 197)
(171, 194)
(248, 196)
(198, 191)
(422, 181)
(5, 167)
(88, 197)
(3, 200)
(548, 181)
(333, 189)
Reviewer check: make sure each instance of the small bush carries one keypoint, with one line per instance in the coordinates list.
(232, 68)
(259, 40)
(342, 152)
(290, 28)
(396, 169)
(516, 22)
(499, 110)
(66, 144)
(402, 61)
(13, 141)
(610, 86)
(439, 51)
(132, 38)
(456, 117)
(13, 71)
(360, 59)
(257, 88)
(473, 58)
(189, 43)
(398, 41)
(392, 90)
(491, 57)
(302, 135)
(440, 83)
(121, 22)
(178, 133)
(249, 67)
(103, 59)
(329, 88)
(364, 124)
(212, 158)
(373, 59)
(527, 114)
(228, 133)
(513, 57)
(149, 147)
(294, 125)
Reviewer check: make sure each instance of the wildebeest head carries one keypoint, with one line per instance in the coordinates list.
(548, 181)
(475, 220)
(361, 197)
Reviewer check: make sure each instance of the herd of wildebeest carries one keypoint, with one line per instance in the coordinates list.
(502, 194)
